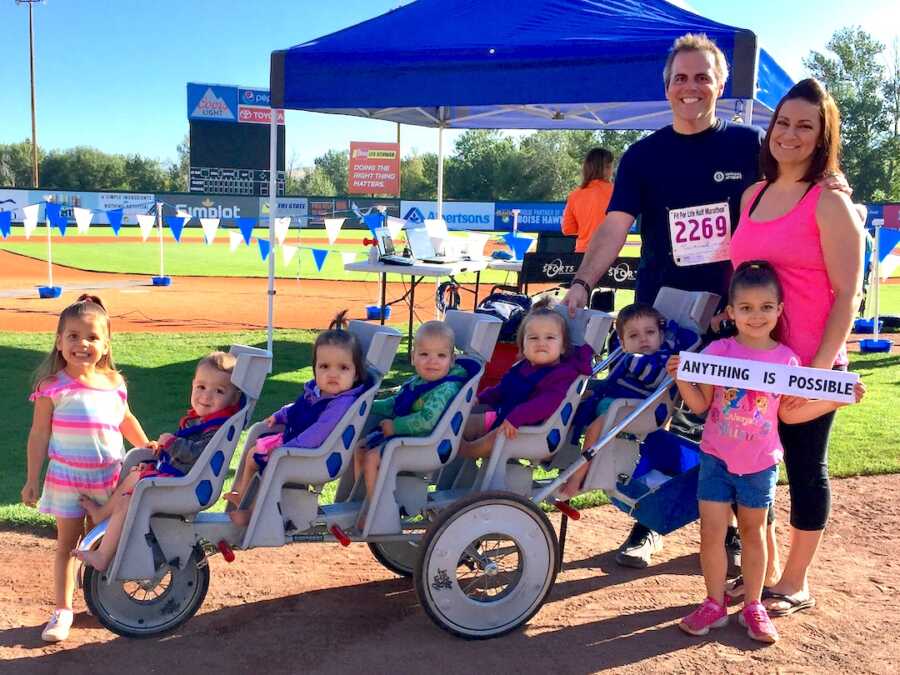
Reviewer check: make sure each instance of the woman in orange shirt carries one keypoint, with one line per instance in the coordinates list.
(586, 206)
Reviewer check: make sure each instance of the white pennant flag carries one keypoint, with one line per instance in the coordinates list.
(30, 219)
(235, 239)
(475, 244)
(146, 222)
(209, 225)
(333, 227)
(394, 226)
(287, 253)
(281, 229)
(348, 257)
(82, 218)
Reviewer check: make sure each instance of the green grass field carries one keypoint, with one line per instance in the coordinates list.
(159, 369)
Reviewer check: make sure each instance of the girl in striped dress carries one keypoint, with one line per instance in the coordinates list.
(80, 416)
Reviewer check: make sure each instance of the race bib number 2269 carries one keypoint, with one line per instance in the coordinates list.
(700, 234)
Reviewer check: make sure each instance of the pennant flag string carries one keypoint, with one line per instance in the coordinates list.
(54, 217)
(209, 225)
(333, 227)
(287, 254)
(234, 240)
(281, 229)
(5, 223)
(319, 255)
(82, 219)
(519, 245)
(246, 227)
(146, 223)
(115, 220)
(30, 218)
(265, 247)
(176, 224)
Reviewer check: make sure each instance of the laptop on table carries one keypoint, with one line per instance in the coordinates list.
(422, 248)
(386, 251)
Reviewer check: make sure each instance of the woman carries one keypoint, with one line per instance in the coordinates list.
(814, 240)
(586, 206)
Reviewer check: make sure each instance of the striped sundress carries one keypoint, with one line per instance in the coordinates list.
(86, 447)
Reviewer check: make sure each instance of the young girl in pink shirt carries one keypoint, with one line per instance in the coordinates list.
(740, 450)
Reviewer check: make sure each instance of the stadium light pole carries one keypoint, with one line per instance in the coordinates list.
(34, 152)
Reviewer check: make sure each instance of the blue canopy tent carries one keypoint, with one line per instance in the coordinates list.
(515, 64)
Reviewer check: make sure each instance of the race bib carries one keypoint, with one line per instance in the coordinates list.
(700, 234)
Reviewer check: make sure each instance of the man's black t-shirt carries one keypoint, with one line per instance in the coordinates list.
(668, 170)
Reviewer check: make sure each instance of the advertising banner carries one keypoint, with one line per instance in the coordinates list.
(374, 168)
(210, 206)
(459, 215)
(13, 200)
(326, 207)
(212, 102)
(533, 216)
(295, 208)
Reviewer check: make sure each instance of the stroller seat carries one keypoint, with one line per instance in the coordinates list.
(635, 457)
(284, 499)
(476, 335)
(198, 490)
(502, 471)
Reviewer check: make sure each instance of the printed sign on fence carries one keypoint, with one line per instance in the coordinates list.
(831, 385)
(374, 168)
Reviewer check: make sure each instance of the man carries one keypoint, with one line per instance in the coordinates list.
(698, 166)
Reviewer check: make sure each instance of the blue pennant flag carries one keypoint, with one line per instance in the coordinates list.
(52, 212)
(374, 220)
(887, 240)
(5, 223)
(246, 226)
(176, 224)
(519, 245)
(264, 248)
(115, 220)
(319, 255)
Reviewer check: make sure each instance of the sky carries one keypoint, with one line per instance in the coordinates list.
(111, 74)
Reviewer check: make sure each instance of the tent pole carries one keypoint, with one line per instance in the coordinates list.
(273, 212)
(748, 120)
(876, 269)
(440, 166)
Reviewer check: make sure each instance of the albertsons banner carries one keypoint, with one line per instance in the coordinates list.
(459, 215)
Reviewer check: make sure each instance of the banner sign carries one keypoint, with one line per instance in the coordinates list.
(459, 215)
(533, 216)
(210, 206)
(374, 168)
(351, 209)
(224, 103)
(817, 383)
(296, 208)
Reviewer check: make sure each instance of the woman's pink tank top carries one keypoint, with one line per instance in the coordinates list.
(791, 243)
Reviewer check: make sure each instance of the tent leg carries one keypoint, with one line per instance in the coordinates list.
(273, 212)
(440, 166)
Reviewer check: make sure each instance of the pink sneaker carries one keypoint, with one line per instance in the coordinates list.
(757, 622)
(710, 614)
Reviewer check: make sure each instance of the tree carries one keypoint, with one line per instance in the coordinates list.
(334, 166)
(83, 168)
(857, 82)
(483, 165)
(143, 174)
(15, 164)
(317, 183)
(417, 181)
(177, 173)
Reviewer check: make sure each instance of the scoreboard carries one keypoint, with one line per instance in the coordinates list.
(229, 141)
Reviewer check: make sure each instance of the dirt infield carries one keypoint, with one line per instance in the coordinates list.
(333, 610)
(201, 304)
(195, 304)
